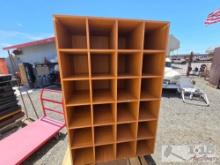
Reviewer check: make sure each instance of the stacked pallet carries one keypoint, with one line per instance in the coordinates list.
(10, 111)
(111, 75)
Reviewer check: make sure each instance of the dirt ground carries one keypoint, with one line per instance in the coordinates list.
(179, 124)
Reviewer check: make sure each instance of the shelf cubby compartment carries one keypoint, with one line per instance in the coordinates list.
(147, 129)
(103, 65)
(149, 63)
(102, 33)
(155, 37)
(104, 153)
(149, 88)
(104, 135)
(103, 91)
(126, 132)
(129, 64)
(127, 89)
(81, 137)
(71, 33)
(79, 116)
(126, 150)
(76, 92)
(148, 110)
(104, 114)
(83, 156)
(130, 34)
(127, 112)
(145, 147)
(75, 65)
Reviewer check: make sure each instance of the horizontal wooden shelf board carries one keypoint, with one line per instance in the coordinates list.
(66, 50)
(76, 78)
(102, 96)
(102, 76)
(147, 96)
(124, 95)
(80, 98)
(102, 51)
(145, 115)
(151, 76)
(80, 119)
(128, 76)
(144, 133)
(125, 51)
(150, 51)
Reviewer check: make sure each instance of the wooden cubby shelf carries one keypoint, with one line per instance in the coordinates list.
(127, 89)
(130, 34)
(149, 88)
(103, 65)
(76, 66)
(126, 150)
(146, 129)
(127, 64)
(127, 112)
(126, 132)
(79, 116)
(102, 34)
(145, 147)
(155, 37)
(148, 110)
(103, 90)
(83, 156)
(151, 60)
(104, 135)
(104, 153)
(104, 114)
(111, 72)
(77, 92)
(81, 137)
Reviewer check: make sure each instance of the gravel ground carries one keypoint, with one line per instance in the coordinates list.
(179, 124)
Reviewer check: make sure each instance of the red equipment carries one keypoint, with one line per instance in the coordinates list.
(17, 147)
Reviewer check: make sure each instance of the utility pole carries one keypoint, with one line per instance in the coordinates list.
(189, 68)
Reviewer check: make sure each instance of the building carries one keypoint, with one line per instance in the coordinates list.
(214, 75)
(36, 52)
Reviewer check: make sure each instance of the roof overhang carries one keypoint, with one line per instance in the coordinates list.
(32, 43)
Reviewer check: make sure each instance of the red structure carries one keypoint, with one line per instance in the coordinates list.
(3, 66)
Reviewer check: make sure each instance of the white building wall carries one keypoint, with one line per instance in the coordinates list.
(37, 54)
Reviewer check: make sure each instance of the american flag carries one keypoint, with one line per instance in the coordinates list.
(213, 17)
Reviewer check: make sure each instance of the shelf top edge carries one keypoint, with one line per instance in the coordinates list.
(58, 16)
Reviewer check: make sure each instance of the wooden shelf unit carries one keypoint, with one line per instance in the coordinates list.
(111, 74)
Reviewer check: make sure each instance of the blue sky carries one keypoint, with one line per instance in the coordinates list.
(26, 20)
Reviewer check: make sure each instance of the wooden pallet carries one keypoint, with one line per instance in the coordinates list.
(111, 74)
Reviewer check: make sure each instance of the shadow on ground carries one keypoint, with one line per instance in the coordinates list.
(170, 93)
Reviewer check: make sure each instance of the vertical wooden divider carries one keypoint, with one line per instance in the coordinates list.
(140, 78)
(115, 79)
(90, 84)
